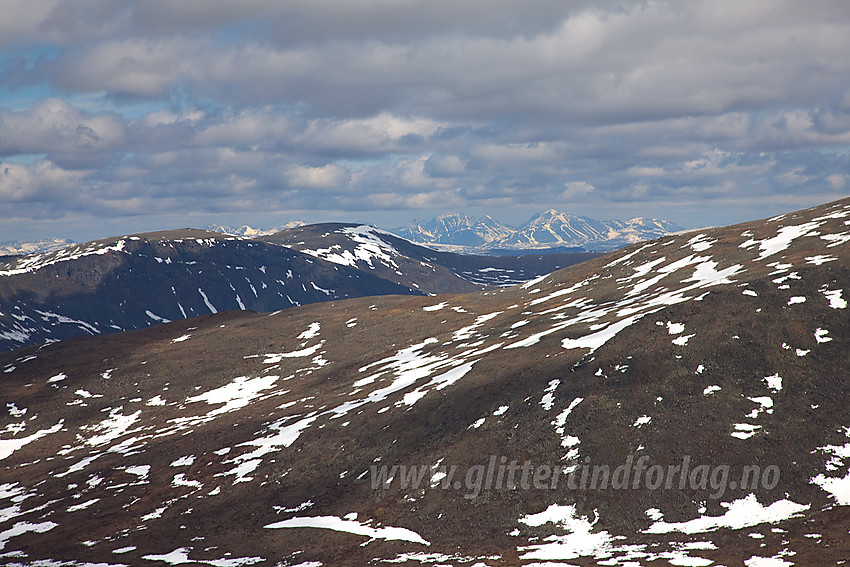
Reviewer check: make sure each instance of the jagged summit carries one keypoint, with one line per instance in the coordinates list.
(455, 229)
(548, 229)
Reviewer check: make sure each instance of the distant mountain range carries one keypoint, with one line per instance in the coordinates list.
(249, 232)
(17, 247)
(549, 229)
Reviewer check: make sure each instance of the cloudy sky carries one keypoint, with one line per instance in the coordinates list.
(120, 116)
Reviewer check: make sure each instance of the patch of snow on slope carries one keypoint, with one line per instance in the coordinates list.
(683, 340)
(207, 301)
(675, 328)
(700, 243)
(180, 556)
(112, 427)
(531, 283)
(765, 404)
(595, 340)
(410, 365)
(745, 430)
(350, 526)
(821, 336)
(283, 436)
(235, 395)
(784, 237)
(641, 421)
(820, 259)
(569, 442)
(9, 446)
(579, 542)
(156, 317)
(758, 561)
(835, 299)
(837, 487)
(311, 332)
(465, 333)
(774, 382)
(21, 528)
(274, 358)
(743, 513)
(548, 398)
(48, 316)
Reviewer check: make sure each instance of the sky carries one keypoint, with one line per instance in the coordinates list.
(120, 116)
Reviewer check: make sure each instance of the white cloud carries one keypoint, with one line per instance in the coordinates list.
(38, 183)
(325, 177)
(576, 190)
(444, 166)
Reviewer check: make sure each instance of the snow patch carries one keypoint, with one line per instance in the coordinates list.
(9, 446)
(821, 336)
(743, 513)
(311, 332)
(579, 542)
(784, 237)
(835, 299)
(350, 526)
(774, 382)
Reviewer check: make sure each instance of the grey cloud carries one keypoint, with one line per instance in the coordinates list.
(636, 62)
(381, 105)
(292, 22)
(70, 137)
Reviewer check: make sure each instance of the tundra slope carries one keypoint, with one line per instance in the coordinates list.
(246, 439)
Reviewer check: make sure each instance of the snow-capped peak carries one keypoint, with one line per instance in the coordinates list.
(548, 229)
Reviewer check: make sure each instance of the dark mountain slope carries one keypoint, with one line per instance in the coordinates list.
(138, 281)
(245, 439)
(134, 282)
(395, 259)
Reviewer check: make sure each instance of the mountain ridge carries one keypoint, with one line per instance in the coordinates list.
(131, 282)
